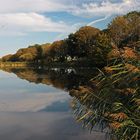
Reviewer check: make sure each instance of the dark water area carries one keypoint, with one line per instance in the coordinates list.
(35, 104)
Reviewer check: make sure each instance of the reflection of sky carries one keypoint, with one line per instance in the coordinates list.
(18, 95)
(43, 126)
(37, 112)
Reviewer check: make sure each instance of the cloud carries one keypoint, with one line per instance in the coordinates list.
(71, 29)
(29, 102)
(30, 6)
(98, 20)
(20, 17)
(98, 8)
(107, 8)
(22, 23)
(79, 7)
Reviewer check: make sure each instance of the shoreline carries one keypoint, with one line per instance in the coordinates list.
(72, 64)
(13, 64)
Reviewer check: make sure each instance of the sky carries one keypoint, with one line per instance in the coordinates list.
(28, 22)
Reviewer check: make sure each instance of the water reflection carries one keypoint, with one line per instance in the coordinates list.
(19, 95)
(65, 79)
(42, 126)
(106, 105)
(40, 110)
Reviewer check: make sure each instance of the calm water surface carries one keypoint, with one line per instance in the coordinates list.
(35, 105)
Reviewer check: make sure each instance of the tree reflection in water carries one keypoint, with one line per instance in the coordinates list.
(62, 78)
(110, 102)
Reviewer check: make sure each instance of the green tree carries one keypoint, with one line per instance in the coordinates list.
(98, 52)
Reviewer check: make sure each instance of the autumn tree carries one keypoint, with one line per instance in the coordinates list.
(32, 53)
(133, 37)
(125, 29)
(118, 30)
(6, 58)
(79, 42)
(45, 48)
(58, 51)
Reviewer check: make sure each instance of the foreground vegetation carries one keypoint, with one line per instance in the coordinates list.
(111, 100)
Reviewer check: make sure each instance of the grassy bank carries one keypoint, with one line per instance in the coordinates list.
(67, 64)
(14, 64)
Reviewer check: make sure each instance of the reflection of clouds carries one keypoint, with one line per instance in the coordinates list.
(33, 103)
(43, 126)
(18, 95)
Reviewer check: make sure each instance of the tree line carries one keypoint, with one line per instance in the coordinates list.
(87, 44)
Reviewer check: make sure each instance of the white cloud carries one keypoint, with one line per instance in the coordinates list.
(29, 102)
(71, 29)
(98, 20)
(79, 7)
(19, 17)
(107, 8)
(22, 23)
(30, 6)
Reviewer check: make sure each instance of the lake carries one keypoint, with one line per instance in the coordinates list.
(35, 104)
